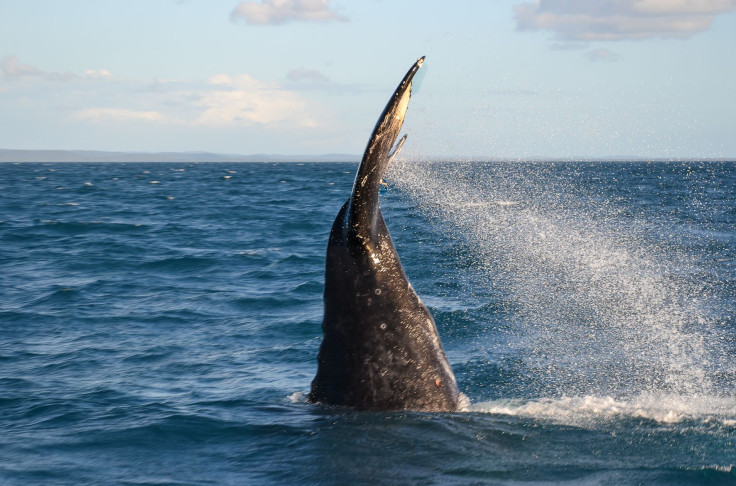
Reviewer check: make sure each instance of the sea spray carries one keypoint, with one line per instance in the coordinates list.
(602, 307)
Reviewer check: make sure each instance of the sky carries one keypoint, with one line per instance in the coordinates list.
(502, 79)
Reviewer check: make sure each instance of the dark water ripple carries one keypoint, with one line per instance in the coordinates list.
(159, 324)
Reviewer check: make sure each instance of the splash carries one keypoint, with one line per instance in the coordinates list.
(601, 307)
(591, 410)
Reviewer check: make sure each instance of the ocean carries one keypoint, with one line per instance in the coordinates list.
(160, 322)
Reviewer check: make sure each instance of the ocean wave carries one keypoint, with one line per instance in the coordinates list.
(721, 469)
(59, 295)
(162, 429)
(261, 302)
(80, 227)
(308, 288)
(590, 410)
(181, 263)
(152, 354)
(296, 259)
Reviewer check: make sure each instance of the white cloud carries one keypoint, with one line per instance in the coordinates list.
(117, 115)
(245, 100)
(608, 20)
(221, 102)
(274, 12)
(94, 97)
(96, 74)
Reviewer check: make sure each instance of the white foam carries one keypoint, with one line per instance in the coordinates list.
(589, 410)
(297, 397)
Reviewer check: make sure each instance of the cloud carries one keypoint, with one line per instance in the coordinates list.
(96, 74)
(13, 68)
(245, 100)
(309, 76)
(609, 20)
(605, 55)
(117, 115)
(95, 97)
(274, 12)
(223, 101)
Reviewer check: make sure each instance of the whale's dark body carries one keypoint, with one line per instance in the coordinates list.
(380, 350)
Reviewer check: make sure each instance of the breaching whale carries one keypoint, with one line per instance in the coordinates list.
(380, 348)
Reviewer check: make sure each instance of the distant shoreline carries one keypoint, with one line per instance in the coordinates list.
(71, 156)
(13, 155)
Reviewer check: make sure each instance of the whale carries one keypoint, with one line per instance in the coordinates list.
(380, 348)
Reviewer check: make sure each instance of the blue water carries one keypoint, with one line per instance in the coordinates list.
(159, 324)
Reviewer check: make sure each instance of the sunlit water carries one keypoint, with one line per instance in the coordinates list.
(159, 324)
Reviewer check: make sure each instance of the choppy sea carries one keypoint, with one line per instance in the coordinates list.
(159, 324)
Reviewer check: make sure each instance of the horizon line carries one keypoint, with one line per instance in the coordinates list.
(105, 156)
